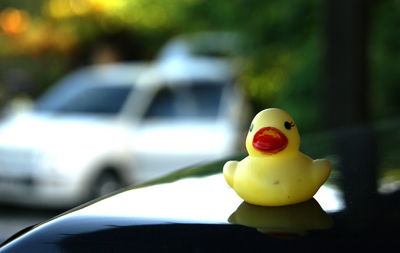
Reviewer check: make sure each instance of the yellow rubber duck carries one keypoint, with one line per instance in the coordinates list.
(275, 173)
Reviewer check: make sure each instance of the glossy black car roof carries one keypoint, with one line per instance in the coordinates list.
(194, 210)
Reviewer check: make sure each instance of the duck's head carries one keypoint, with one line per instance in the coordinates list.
(272, 132)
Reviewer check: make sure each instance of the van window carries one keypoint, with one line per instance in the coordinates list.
(163, 105)
(98, 99)
(207, 99)
(199, 100)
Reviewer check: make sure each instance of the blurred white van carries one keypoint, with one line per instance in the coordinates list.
(103, 127)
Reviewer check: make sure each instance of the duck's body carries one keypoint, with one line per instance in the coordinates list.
(275, 173)
(269, 181)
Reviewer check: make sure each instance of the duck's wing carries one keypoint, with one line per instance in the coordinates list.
(321, 170)
(229, 171)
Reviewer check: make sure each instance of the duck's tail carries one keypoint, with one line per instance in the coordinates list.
(229, 171)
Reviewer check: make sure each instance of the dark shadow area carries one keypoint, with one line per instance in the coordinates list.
(210, 238)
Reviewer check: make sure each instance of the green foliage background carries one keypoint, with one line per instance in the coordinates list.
(283, 62)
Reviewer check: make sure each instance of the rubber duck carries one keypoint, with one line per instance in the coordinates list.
(275, 173)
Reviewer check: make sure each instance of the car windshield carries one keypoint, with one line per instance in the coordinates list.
(96, 99)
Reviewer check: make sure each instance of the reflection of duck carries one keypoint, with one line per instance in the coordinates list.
(284, 221)
(275, 173)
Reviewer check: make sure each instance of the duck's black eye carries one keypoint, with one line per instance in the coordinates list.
(251, 128)
(289, 125)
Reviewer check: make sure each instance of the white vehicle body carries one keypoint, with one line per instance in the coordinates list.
(65, 151)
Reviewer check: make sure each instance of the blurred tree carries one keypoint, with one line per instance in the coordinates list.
(283, 62)
(347, 80)
(384, 49)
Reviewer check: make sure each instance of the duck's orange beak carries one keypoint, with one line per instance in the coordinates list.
(269, 140)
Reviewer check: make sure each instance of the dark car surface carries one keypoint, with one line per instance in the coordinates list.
(194, 210)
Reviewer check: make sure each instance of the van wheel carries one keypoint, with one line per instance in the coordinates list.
(106, 182)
